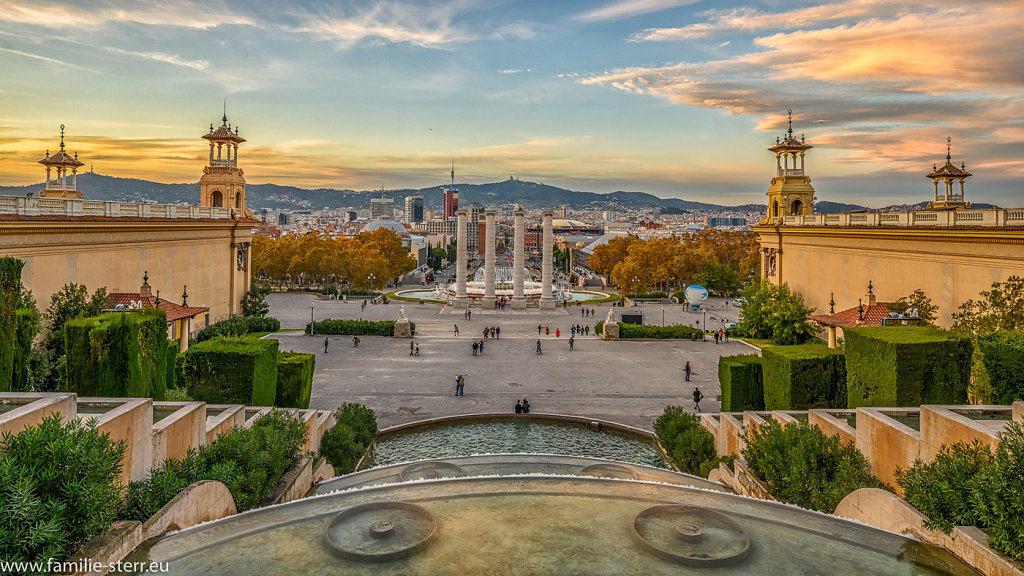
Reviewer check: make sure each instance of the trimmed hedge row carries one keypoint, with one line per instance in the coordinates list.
(171, 364)
(238, 326)
(803, 377)
(26, 327)
(234, 370)
(742, 381)
(294, 379)
(118, 355)
(906, 366)
(675, 331)
(354, 327)
(1003, 359)
(344, 443)
(10, 286)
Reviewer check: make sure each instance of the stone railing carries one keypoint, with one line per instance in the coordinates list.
(26, 206)
(988, 217)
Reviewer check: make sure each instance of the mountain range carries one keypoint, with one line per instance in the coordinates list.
(512, 191)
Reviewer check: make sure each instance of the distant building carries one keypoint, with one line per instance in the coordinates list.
(451, 198)
(473, 244)
(392, 225)
(413, 209)
(438, 227)
(719, 222)
(382, 208)
(350, 216)
(284, 218)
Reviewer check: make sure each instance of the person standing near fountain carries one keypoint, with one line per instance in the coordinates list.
(460, 385)
(526, 405)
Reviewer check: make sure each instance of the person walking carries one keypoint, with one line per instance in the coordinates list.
(417, 349)
(497, 332)
(572, 340)
(558, 333)
(716, 337)
(355, 341)
(538, 329)
(475, 346)
(538, 347)
(687, 369)
(486, 330)
(481, 347)
(587, 330)
(456, 329)
(412, 347)
(460, 385)
(697, 397)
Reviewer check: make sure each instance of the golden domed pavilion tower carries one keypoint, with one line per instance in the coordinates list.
(948, 174)
(791, 193)
(223, 183)
(62, 162)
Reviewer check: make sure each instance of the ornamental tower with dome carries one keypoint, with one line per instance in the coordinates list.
(949, 174)
(223, 182)
(62, 162)
(791, 193)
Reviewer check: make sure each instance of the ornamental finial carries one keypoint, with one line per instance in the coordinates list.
(790, 112)
(61, 136)
(949, 143)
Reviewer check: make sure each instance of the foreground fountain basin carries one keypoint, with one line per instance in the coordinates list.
(540, 525)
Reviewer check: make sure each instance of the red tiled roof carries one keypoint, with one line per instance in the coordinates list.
(224, 133)
(873, 315)
(948, 170)
(790, 143)
(173, 311)
(61, 158)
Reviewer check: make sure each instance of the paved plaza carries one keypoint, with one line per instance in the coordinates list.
(629, 382)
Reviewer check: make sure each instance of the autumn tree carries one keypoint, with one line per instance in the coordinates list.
(776, 313)
(606, 256)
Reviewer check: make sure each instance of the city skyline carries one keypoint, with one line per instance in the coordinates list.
(672, 97)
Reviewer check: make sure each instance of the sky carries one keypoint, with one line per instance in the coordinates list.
(679, 98)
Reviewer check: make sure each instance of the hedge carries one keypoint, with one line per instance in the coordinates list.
(238, 326)
(171, 365)
(689, 445)
(803, 377)
(742, 382)
(344, 443)
(10, 287)
(354, 327)
(599, 327)
(1003, 359)
(906, 366)
(117, 355)
(26, 328)
(235, 370)
(675, 331)
(294, 379)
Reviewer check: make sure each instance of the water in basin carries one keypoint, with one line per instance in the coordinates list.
(510, 437)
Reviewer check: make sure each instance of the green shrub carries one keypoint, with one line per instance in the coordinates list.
(1002, 355)
(675, 331)
(238, 326)
(59, 485)
(27, 327)
(800, 464)
(118, 355)
(353, 327)
(999, 497)
(802, 377)
(906, 366)
(599, 327)
(171, 365)
(942, 489)
(345, 442)
(656, 295)
(232, 371)
(249, 461)
(10, 289)
(742, 382)
(689, 445)
(294, 379)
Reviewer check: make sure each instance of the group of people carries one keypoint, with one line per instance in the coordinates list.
(721, 336)
(414, 348)
(577, 329)
(500, 303)
(492, 332)
(523, 406)
(468, 314)
(478, 348)
(587, 312)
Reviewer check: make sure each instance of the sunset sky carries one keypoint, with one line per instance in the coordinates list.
(673, 97)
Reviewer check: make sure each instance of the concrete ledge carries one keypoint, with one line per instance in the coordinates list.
(131, 420)
(322, 471)
(754, 420)
(200, 502)
(99, 552)
(741, 480)
(831, 425)
(34, 407)
(174, 435)
(729, 442)
(887, 443)
(889, 512)
(947, 424)
(309, 421)
(294, 484)
(232, 416)
(1018, 411)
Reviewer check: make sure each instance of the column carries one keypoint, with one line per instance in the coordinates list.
(461, 300)
(489, 218)
(547, 251)
(519, 261)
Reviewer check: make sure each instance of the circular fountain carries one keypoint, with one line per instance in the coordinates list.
(431, 470)
(380, 531)
(691, 536)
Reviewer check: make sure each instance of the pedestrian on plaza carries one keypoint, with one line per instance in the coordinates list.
(355, 341)
(697, 397)
(417, 349)
(716, 337)
(538, 347)
(558, 333)
(591, 311)
(538, 329)
(469, 314)
(456, 329)
(571, 342)
(481, 347)
(497, 332)
(475, 347)
(547, 331)
(721, 334)
(460, 385)
(582, 312)
(486, 330)
(412, 347)
(492, 331)
(519, 407)
(687, 369)
(325, 345)
(526, 405)
(587, 330)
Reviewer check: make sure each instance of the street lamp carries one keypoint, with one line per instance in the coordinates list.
(311, 306)
(704, 333)
(371, 278)
(635, 282)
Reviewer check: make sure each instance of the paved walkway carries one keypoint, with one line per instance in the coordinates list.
(629, 382)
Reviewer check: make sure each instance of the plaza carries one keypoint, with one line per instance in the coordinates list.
(629, 382)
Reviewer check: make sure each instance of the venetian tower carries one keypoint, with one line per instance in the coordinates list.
(948, 175)
(223, 183)
(791, 193)
(62, 162)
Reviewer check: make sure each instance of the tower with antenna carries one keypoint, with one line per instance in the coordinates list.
(790, 193)
(451, 198)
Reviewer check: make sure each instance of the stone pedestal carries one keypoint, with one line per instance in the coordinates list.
(519, 262)
(489, 249)
(610, 331)
(547, 301)
(403, 328)
(461, 299)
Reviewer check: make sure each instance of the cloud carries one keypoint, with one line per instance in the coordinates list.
(425, 25)
(185, 13)
(628, 9)
(45, 59)
(174, 59)
(513, 71)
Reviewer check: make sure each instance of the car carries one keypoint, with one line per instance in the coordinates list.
(731, 325)
(740, 301)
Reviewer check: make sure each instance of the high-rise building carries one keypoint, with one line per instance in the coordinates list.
(475, 213)
(451, 198)
(413, 209)
(382, 208)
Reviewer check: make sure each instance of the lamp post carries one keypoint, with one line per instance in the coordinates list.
(371, 278)
(704, 333)
(311, 306)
